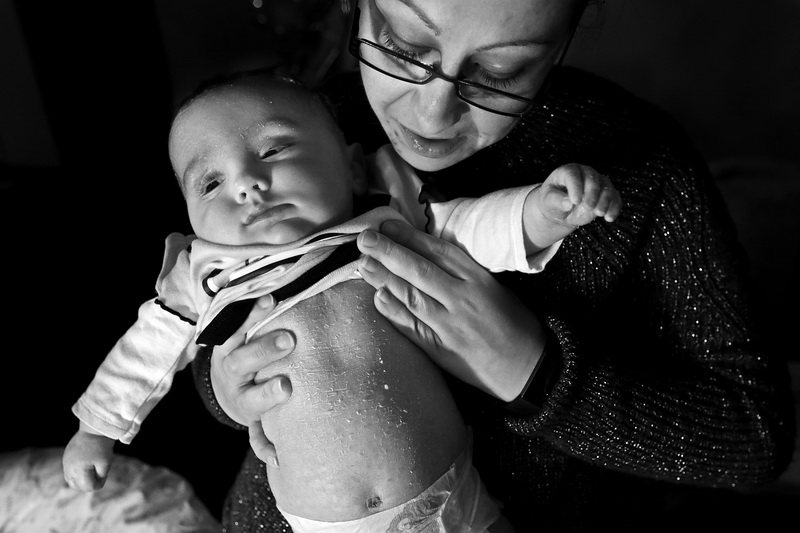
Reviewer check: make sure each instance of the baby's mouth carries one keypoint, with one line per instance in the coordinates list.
(266, 214)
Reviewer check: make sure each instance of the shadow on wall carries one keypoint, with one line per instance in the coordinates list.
(728, 70)
(762, 195)
(205, 37)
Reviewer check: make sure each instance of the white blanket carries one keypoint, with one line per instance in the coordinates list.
(137, 498)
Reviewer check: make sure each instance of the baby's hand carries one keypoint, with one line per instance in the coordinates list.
(86, 461)
(576, 194)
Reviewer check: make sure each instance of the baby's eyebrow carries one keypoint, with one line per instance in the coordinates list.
(192, 168)
(280, 124)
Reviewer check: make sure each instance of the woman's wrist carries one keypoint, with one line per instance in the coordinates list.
(533, 394)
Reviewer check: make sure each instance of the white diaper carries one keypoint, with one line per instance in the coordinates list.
(457, 502)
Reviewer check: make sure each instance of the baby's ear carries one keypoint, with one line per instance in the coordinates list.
(358, 163)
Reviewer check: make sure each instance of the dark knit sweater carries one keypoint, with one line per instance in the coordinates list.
(657, 376)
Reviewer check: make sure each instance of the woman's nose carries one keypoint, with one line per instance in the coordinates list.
(437, 106)
(252, 185)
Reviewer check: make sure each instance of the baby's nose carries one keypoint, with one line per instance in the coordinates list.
(252, 185)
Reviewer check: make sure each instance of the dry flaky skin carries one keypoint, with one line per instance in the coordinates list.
(370, 415)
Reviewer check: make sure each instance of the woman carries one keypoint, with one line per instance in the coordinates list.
(630, 366)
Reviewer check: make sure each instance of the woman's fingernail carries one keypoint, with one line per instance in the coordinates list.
(369, 238)
(265, 302)
(280, 386)
(382, 295)
(283, 341)
(273, 462)
(390, 227)
(368, 264)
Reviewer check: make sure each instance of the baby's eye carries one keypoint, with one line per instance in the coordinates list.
(209, 182)
(266, 154)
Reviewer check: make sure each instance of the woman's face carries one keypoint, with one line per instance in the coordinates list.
(506, 44)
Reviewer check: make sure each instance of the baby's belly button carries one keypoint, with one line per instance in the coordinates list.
(348, 455)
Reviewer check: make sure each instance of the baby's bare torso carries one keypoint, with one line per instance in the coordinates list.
(370, 423)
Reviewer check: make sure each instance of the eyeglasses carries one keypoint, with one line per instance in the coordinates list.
(403, 68)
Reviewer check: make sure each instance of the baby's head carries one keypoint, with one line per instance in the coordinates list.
(260, 160)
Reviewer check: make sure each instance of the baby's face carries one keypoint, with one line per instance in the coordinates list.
(260, 169)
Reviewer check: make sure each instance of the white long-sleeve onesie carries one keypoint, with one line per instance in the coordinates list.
(139, 370)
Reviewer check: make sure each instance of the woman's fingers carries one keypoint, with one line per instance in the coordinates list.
(390, 266)
(407, 322)
(253, 400)
(261, 445)
(399, 246)
(458, 314)
(233, 375)
(246, 360)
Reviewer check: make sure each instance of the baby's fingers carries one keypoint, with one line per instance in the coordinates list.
(86, 479)
(609, 204)
(261, 445)
(572, 179)
(592, 184)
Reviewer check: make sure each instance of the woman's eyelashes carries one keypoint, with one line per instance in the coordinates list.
(497, 82)
(477, 73)
(392, 45)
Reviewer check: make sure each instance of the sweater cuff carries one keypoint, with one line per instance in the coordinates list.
(542, 380)
(201, 371)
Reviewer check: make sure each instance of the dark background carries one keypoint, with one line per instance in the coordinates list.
(87, 194)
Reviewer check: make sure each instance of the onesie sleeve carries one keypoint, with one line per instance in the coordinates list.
(136, 373)
(139, 369)
(490, 229)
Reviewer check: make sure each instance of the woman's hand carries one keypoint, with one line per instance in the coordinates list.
(452, 308)
(234, 366)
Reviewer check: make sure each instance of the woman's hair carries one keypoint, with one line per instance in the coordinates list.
(580, 7)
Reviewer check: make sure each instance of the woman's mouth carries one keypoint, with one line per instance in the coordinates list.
(432, 148)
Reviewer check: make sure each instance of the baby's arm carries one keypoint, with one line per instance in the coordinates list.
(572, 195)
(87, 458)
(133, 377)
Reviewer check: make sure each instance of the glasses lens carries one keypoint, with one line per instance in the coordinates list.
(394, 65)
(397, 66)
(486, 98)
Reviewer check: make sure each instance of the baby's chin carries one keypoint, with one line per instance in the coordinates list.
(283, 232)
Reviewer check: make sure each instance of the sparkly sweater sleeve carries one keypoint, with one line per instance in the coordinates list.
(663, 374)
(201, 373)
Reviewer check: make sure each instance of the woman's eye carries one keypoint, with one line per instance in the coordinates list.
(390, 43)
(497, 82)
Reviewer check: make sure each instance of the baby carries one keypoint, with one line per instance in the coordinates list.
(371, 436)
